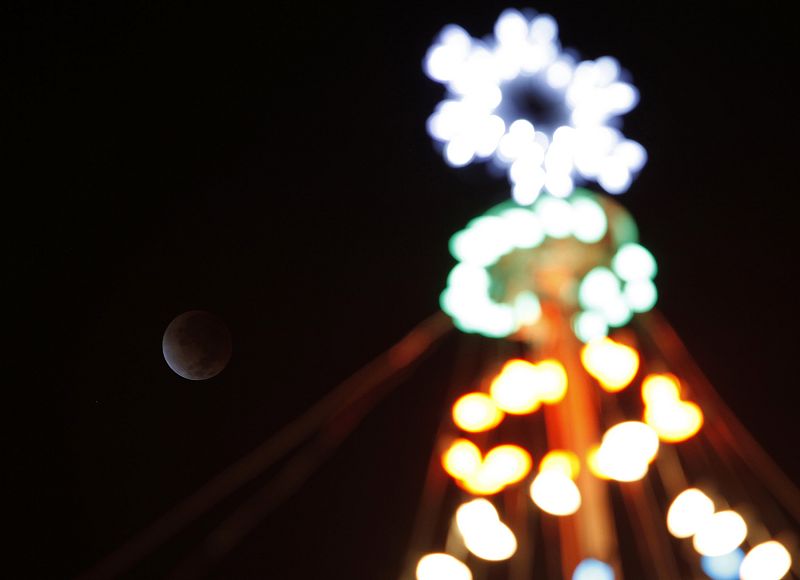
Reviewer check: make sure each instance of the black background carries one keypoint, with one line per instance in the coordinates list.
(269, 163)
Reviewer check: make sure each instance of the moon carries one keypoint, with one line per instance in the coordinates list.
(197, 345)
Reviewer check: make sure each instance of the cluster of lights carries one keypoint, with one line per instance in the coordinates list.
(611, 296)
(608, 296)
(613, 364)
(522, 387)
(574, 137)
(717, 537)
(502, 466)
(673, 419)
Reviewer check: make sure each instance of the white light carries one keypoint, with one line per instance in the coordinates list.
(767, 561)
(641, 295)
(483, 532)
(556, 216)
(442, 567)
(599, 287)
(555, 493)
(590, 325)
(591, 569)
(633, 262)
(475, 74)
(688, 513)
(720, 534)
(590, 220)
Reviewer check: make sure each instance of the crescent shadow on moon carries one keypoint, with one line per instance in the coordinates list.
(197, 345)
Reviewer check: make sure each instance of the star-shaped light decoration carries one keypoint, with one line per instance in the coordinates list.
(517, 100)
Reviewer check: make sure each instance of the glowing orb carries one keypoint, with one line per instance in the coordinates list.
(475, 412)
(614, 365)
(591, 569)
(442, 567)
(720, 534)
(555, 493)
(484, 534)
(725, 567)
(688, 513)
(570, 134)
(767, 561)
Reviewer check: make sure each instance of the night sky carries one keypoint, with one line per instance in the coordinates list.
(269, 163)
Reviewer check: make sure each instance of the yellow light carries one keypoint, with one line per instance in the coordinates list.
(476, 412)
(507, 464)
(674, 420)
(564, 461)
(767, 561)
(555, 493)
(688, 513)
(462, 459)
(442, 567)
(484, 534)
(514, 390)
(614, 365)
(660, 388)
(595, 466)
(625, 452)
(720, 534)
(551, 381)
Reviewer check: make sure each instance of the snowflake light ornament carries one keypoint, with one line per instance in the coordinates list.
(517, 100)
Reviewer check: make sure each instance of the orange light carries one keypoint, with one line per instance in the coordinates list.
(476, 412)
(462, 459)
(551, 381)
(614, 365)
(514, 390)
(507, 464)
(564, 461)
(673, 419)
(595, 466)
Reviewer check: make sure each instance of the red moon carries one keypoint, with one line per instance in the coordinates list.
(197, 345)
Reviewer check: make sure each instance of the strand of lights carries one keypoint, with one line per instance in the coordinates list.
(483, 117)
(608, 296)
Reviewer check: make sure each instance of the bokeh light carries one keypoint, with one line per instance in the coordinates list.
(561, 460)
(720, 534)
(767, 561)
(514, 388)
(442, 567)
(625, 452)
(555, 493)
(475, 412)
(484, 534)
(689, 512)
(551, 381)
(673, 419)
(462, 459)
(591, 569)
(725, 567)
(507, 464)
(614, 365)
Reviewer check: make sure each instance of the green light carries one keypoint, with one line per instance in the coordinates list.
(634, 262)
(599, 287)
(641, 295)
(524, 228)
(556, 216)
(591, 224)
(589, 325)
(616, 312)
(527, 309)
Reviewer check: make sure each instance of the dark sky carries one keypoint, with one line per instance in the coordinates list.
(269, 163)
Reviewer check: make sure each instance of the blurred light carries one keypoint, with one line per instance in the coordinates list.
(551, 381)
(590, 220)
(725, 567)
(475, 412)
(674, 420)
(514, 388)
(442, 567)
(614, 365)
(462, 459)
(556, 215)
(589, 325)
(688, 513)
(507, 464)
(640, 295)
(625, 452)
(484, 534)
(767, 561)
(633, 262)
(720, 534)
(560, 460)
(591, 569)
(555, 493)
(527, 308)
(598, 288)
